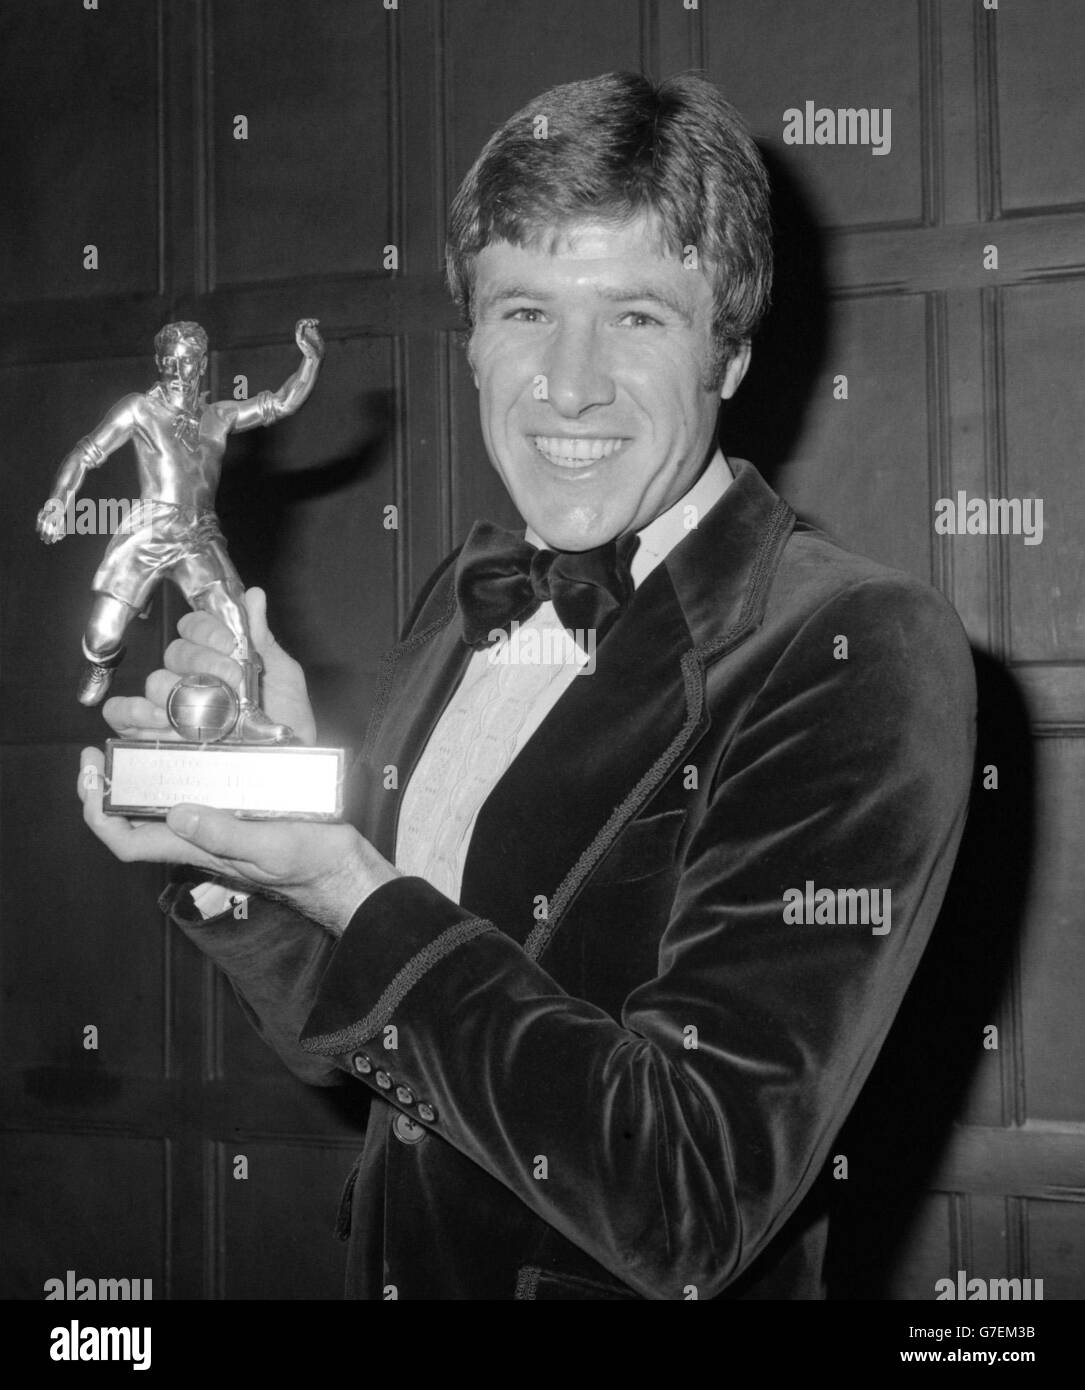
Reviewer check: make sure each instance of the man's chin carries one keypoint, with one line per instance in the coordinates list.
(566, 535)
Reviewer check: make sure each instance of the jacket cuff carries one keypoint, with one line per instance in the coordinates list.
(400, 932)
(175, 900)
(273, 958)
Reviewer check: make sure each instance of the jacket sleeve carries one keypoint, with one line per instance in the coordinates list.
(274, 958)
(670, 1164)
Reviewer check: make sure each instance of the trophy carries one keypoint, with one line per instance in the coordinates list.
(230, 753)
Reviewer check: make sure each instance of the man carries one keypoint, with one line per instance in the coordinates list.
(179, 440)
(617, 949)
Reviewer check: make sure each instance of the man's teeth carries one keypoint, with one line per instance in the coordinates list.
(564, 451)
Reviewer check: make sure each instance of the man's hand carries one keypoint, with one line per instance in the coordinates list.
(324, 871)
(50, 524)
(308, 338)
(206, 646)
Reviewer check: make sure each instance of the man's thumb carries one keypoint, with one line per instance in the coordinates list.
(256, 603)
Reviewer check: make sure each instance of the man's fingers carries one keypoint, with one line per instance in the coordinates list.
(205, 630)
(186, 658)
(91, 775)
(256, 604)
(157, 687)
(134, 717)
(201, 630)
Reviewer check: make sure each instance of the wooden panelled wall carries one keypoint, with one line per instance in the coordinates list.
(118, 130)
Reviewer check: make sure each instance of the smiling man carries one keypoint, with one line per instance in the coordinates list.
(605, 1059)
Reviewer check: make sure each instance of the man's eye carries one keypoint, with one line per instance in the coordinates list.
(526, 315)
(635, 319)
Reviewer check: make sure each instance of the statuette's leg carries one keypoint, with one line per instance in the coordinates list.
(103, 646)
(253, 725)
(227, 601)
(96, 677)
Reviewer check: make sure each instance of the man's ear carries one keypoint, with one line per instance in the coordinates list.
(736, 370)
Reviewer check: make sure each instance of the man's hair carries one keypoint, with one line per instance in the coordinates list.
(613, 147)
(184, 331)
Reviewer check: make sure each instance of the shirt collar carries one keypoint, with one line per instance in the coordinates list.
(662, 534)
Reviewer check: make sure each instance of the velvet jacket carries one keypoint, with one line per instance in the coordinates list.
(617, 1067)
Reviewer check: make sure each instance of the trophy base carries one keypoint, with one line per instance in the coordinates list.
(256, 782)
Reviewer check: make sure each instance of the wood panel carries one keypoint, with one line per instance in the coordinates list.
(308, 192)
(1056, 1233)
(539, 48)
(108, 1230)
(768, 59)
(70, 912)
(1052, 944)
(863, 470)
(1038, 94)
(986, 1249)
(92, 176)
(1041, 335)
(290, 1188)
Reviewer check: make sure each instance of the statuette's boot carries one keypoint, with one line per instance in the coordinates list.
(253, 725)
(97, 675)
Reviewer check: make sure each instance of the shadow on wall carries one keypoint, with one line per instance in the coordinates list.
(765, 420)
(257, 501)
(903, 1122)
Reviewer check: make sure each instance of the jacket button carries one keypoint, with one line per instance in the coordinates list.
(383, 1080)
(406, 1130)
(426, 1112)
(404, 1095)
(362, 1064)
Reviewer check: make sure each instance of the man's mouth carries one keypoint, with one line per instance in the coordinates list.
(568, 452)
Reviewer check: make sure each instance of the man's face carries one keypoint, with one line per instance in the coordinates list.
(180, 368)
(591, 363)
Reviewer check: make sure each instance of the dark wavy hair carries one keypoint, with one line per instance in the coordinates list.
(183, 331)
(617, 146)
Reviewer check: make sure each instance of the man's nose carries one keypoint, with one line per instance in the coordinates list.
(577, 376)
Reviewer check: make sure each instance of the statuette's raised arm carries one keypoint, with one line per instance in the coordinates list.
(269, 406)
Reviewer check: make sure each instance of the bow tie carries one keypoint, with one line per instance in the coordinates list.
(501, 579)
